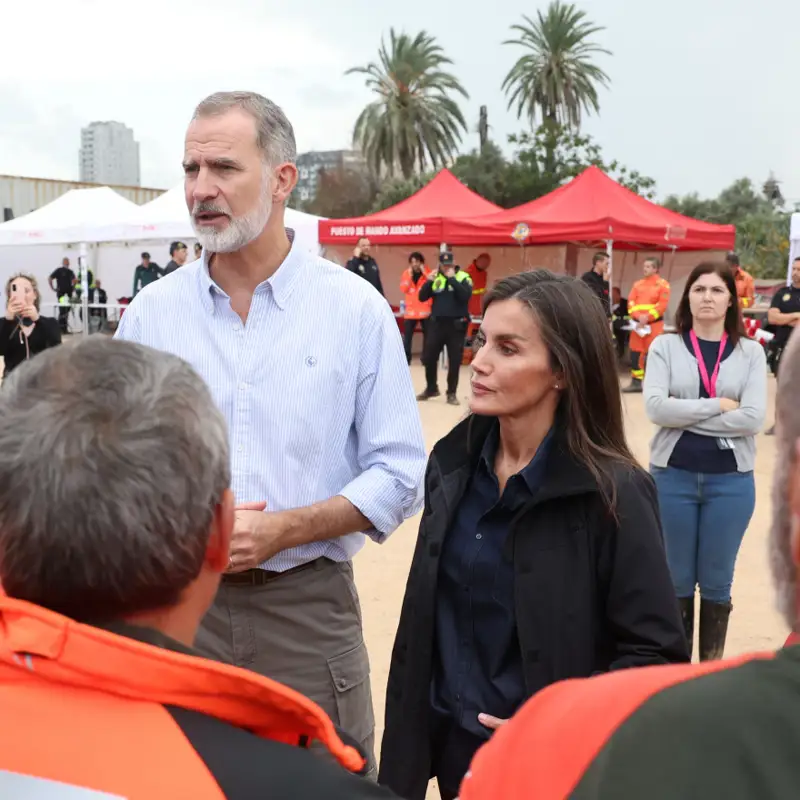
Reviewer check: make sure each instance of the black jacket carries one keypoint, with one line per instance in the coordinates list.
(599, 286)
(592, 593)
(46, 333)
(367, 269)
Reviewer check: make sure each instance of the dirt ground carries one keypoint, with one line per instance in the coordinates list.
(381, 571)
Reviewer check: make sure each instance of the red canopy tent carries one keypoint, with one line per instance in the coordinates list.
(591, 209)
(419, 219)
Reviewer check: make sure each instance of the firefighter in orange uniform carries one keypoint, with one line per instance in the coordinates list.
(647, 304)
(416, 311)
(745, 285)
(478, 272)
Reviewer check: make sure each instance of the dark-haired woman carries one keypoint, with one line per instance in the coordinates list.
(706, 389)
(540, 553)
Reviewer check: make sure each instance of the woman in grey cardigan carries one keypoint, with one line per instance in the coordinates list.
(706, 389)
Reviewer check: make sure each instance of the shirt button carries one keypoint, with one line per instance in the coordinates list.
(242, 386)
(235, 326)
(479, 536)
(240, 448)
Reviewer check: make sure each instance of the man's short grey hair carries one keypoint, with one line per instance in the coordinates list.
(787, 429)
(114, 458)
(274, 132)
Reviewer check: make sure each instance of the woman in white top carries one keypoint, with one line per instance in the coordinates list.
(705, 388)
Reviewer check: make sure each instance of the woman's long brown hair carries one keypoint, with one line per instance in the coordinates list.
(734, 325)
(576, 332)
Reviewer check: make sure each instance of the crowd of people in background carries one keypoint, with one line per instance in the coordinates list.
(199, 605)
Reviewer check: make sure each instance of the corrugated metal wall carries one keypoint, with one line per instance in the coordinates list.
(23, 195)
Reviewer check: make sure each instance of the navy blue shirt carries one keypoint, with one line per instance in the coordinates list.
(478, 661)
(693, 451)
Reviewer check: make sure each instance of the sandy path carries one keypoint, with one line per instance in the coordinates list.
(381, 571)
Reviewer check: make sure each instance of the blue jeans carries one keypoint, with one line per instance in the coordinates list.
(704, 518)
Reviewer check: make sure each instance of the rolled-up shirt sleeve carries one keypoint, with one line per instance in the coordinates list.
(391, 447)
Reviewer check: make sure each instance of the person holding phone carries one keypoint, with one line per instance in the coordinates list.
(24, 333)
(706, 390)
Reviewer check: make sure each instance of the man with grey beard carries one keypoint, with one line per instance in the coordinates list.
(306, 364)
(721, 729)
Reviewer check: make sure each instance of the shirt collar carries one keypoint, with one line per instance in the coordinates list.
(531, 473)
(280, 283)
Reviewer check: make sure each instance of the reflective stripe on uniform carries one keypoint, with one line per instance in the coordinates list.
(637, 373)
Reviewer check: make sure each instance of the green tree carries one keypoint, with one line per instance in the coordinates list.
(527, 175)
(414, 122)
(342, 193)
(762, 227)
(556, 81)
(551, 156)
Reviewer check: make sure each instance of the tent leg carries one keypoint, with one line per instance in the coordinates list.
(83, 260)
(610, 254)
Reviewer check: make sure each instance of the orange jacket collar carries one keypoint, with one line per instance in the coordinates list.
(48, 647)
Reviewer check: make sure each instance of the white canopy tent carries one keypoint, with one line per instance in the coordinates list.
(82, 217)
(79, 216)
(167, 217)
(794, 244)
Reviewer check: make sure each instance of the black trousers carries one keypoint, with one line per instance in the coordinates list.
(63, 314)
(409, 326)
(444, 332)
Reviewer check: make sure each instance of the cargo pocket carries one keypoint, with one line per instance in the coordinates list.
(351, 688)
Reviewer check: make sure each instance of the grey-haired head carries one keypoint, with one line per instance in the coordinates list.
(115, 460)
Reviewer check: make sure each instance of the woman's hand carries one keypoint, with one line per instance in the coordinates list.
(728, 405)
(489, 721)
(13, 309)
(31, 312)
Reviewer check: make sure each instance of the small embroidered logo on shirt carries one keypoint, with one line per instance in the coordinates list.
(311, 361)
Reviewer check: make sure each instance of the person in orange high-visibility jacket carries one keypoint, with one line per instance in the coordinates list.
(647, 304)
(745, 285)
(416, 311)
(478, 272)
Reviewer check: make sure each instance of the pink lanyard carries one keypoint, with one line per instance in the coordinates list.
(709, 384)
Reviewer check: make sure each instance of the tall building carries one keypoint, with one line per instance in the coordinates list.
(310, 164)
(109, 154)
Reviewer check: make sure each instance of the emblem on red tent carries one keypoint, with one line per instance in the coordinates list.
(521, 232)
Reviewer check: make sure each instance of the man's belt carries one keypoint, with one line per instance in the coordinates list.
(260, 577)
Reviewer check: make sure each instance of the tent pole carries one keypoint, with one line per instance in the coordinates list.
(610, 254)
(83, 260)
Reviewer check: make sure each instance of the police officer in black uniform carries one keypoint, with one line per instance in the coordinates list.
(783, 315)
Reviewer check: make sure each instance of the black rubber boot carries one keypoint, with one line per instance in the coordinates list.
(634, 388)
(713, 629)
(687, 617)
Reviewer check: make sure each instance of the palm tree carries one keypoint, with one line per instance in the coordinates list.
(414, 120)
(556, 81)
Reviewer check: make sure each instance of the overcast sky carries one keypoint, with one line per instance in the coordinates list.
(702, 91)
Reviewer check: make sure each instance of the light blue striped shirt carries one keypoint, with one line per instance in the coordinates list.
(315, 389)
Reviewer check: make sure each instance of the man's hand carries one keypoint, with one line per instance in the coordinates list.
(357, 252)
(644, 319)
(450, 272)
(257, 536)
(488, 721)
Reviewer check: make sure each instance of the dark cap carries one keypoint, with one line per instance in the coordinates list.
(446, 259)
(176, 246)
(145, 255)
(733, 259)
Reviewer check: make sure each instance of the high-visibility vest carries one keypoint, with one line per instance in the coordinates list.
(415, 308)
(649, 296)
(86, 707)
(480, 279)
(440, 281)
(745, 288)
